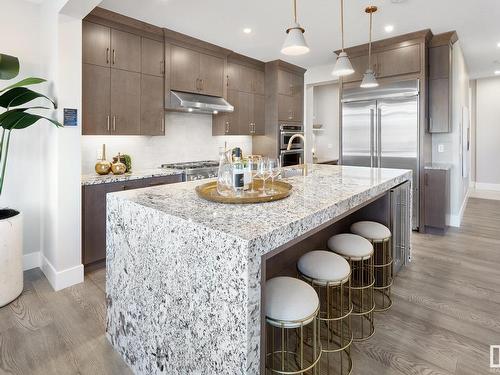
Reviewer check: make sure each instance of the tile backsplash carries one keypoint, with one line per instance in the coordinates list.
(188, 137)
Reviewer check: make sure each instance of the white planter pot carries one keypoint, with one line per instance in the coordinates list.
(11, 259)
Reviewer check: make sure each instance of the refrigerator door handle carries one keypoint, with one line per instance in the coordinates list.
(379, 137)
(372, 136)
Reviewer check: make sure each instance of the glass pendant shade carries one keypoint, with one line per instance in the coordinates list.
(343, 66)
(369, 79)
(295, 43)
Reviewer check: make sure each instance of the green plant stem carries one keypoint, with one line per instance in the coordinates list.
(3, 162)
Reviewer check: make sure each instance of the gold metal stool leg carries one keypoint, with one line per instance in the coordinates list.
(383, 266)
(362, 283)
(334, 324)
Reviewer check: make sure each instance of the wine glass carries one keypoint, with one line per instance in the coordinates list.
(252, 169)
(263, 172)
(274, 169)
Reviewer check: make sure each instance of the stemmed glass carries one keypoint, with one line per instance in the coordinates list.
(274, 169)
(263, 173)
(252, 170)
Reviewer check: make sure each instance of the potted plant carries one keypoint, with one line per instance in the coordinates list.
(14, 101)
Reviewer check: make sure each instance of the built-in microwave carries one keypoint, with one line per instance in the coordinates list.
(291, 157)
(286, 132)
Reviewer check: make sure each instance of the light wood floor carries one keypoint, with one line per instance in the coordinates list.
(445, 315)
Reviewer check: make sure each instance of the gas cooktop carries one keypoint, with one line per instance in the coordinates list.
(192, 165)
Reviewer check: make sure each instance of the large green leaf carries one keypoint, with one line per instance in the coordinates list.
(19, 96)
(24, 82)
(20, 120)
(9, 66)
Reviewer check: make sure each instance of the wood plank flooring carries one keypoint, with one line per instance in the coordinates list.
(445, 315)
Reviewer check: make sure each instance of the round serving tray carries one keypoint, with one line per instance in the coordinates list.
(209, 192)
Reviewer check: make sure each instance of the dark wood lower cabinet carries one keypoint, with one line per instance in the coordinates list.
(94, 213)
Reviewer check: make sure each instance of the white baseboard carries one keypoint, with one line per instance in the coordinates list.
(61, 279)
(456, 220)
(31, 260)
(486, 186)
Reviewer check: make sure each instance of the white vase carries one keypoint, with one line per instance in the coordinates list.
(11, 258)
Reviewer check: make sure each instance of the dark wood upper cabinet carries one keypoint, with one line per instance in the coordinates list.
(285, 83)
(125, 51)
(125, 102)
(184, 69)
(152, 57)
(259, 118)
(96, 91)
(211, 75)
(245, 113)
(152, 110)
(398, 61)
(228, 123)
(96, 44)
(259, 82)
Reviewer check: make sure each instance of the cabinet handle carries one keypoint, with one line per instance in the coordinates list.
(426, 179)
(202, 84)
(114, 56)
(107, 55)
(198, 84)
(114, 123)
(107, 122)
(227, 80)
(162, 67)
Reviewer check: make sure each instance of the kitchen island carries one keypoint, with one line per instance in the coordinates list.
(184, 275)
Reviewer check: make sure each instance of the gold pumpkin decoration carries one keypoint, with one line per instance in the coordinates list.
(103, 166)
(118, 167)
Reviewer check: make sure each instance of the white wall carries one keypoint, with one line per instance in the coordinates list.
(25, 167)
(326, 113)
(188, 137)
(453, 141)
(488, 134)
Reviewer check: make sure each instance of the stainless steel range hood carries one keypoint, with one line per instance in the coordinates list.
(198, 103)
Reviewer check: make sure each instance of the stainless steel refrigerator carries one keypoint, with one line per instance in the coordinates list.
(380, 128)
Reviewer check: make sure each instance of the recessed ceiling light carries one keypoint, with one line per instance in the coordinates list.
(247, 30)
(497, 72)
(389, 28)
(498, 44)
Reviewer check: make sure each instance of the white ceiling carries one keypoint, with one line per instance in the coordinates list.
(222, 21)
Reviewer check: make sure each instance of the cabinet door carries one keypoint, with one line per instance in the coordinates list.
(94, 223)
(436, 198)
(125, 51)
(245, 113)
(230, 121)
(211, 75)
(125, 102)
(233, 76)
(285, 107)
(259, 118)
(96, 44)
(399, 61)
(246, 79)
(152, 111)
(285, 82)
(439, 62)
(359, 64)
(259, 82)
(185, 69)
(152, 57)
(96, 92)
(298, 108)
(439, 105)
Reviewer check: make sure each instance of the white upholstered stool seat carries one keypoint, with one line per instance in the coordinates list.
(324, 267)
(351, 246)
(290, 302)
(371, 230)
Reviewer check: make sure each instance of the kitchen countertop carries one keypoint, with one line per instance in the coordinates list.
(183, 274)
(95, 179)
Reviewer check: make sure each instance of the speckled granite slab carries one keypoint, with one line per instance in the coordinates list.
(183, 274)
(95, 179)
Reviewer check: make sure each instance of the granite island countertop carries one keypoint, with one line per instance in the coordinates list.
(95, 179)
(183, 282)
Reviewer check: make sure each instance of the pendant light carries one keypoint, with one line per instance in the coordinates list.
(369, 79)
(343, 66)
(295, 43)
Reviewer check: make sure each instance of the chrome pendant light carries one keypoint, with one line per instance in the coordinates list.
(343, 66)
(295, 43)
(369, 79)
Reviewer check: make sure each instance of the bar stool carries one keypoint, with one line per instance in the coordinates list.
(329, 274)
(359, 253)
(291, 307)
(380, 237)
